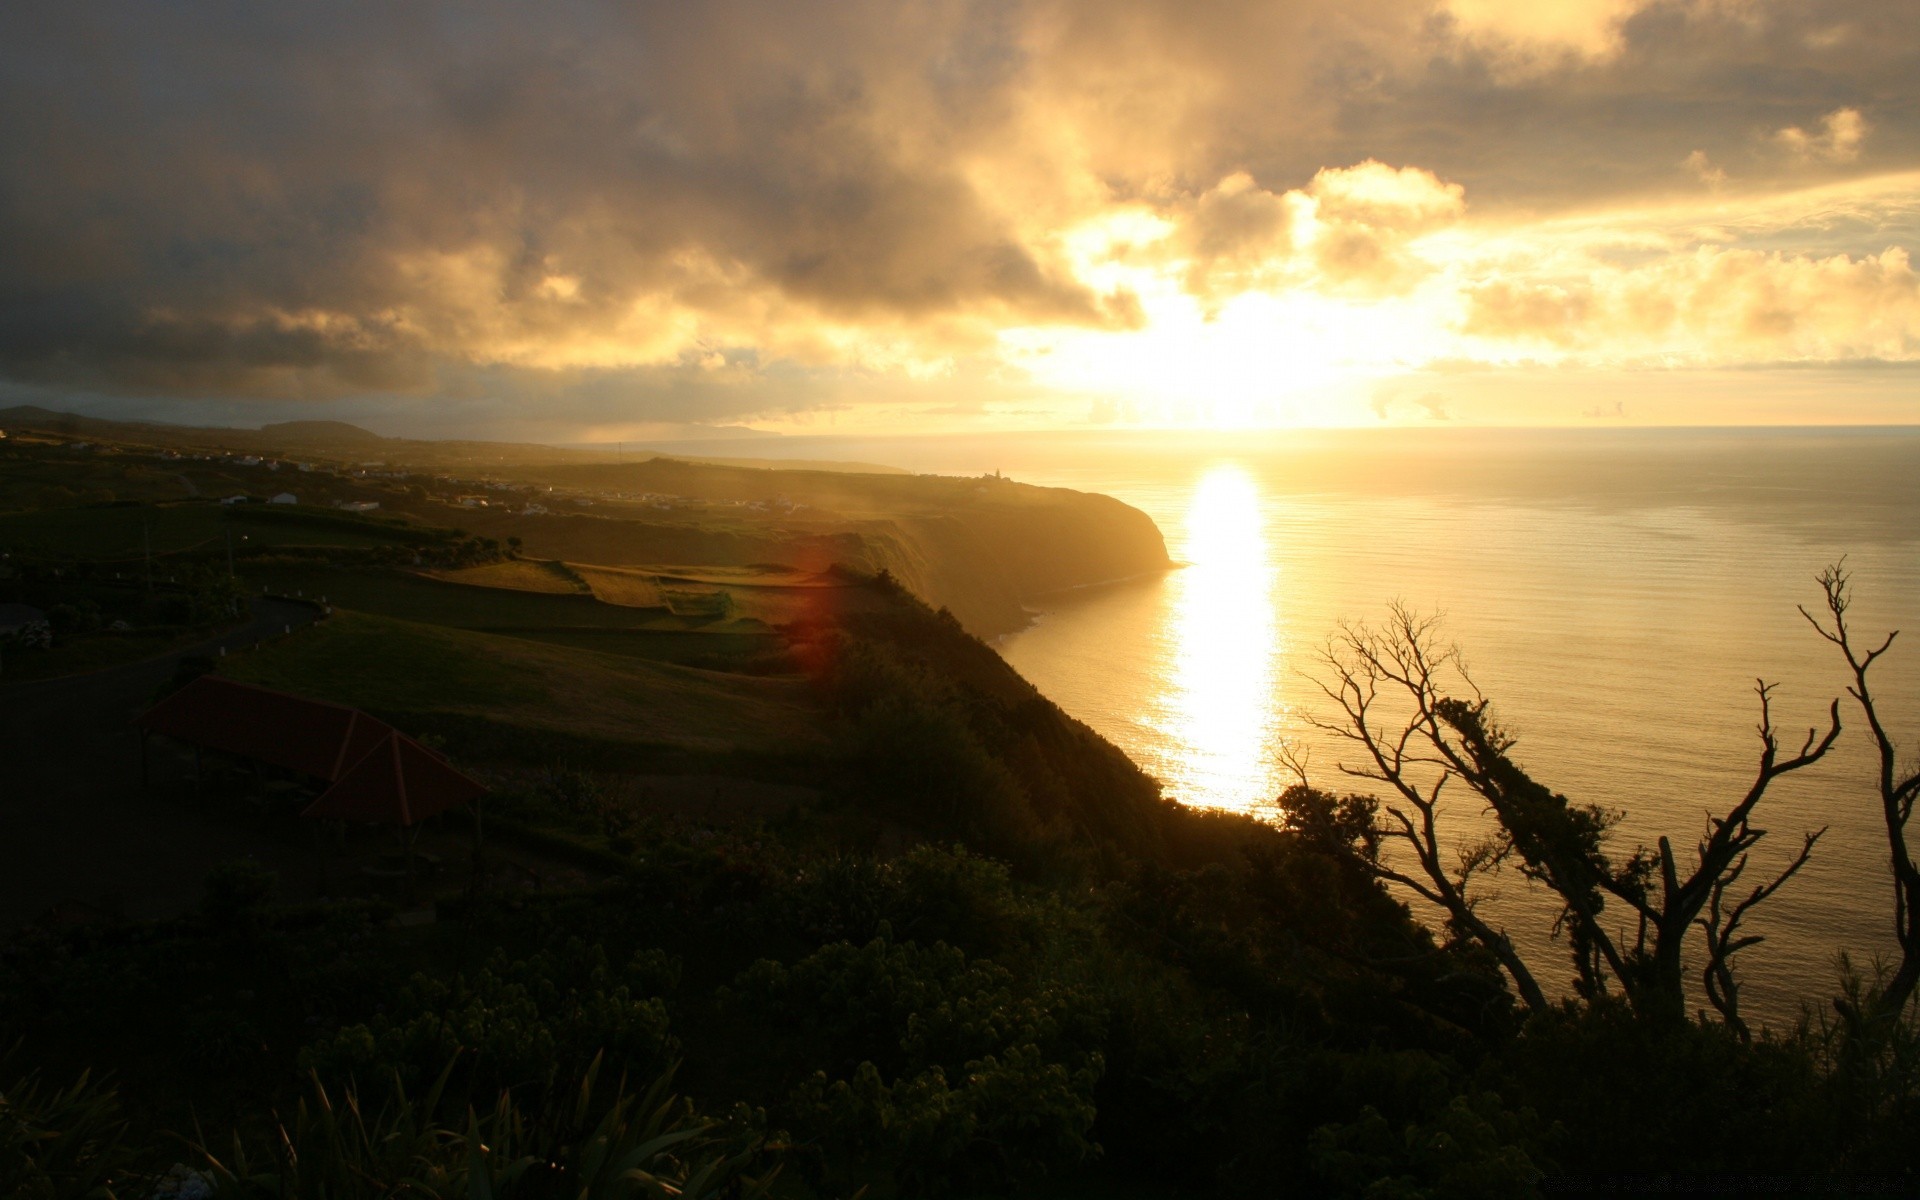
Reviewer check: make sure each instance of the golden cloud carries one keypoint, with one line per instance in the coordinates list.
(1716, 306)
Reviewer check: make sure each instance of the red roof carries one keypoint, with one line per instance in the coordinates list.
(312, 737)
(378, 774)
(399, 782)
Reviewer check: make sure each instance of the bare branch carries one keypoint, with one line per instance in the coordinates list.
(1897, 794)
(1722, 926)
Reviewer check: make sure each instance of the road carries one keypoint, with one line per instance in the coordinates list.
(76, 826)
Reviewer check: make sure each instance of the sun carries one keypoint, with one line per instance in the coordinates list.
(1260, 361)
(1287, 358)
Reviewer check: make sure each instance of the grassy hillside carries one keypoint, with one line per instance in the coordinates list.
(907, 928)
(980, 547)
(418, 675)
(519, 575)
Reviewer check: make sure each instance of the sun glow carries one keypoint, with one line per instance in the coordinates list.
(1274, 352)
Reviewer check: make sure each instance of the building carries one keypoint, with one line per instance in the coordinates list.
(362, 768)
(285, 498)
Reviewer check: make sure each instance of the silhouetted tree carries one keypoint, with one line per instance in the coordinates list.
(1897, 792)
(1395, 690)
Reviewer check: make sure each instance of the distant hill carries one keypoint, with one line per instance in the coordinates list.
(317, 431)
(340, 440)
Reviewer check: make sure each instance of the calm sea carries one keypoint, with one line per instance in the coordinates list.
(1616, 593)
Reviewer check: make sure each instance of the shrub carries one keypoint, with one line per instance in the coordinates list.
(514, 1022)
(588, 1147)
(60, 1142)
(236, 896)
(989, 1083)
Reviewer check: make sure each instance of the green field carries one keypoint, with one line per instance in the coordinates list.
(518, 575)
(570, 619)
(406, 671)
(415, 597)
(92, 652)
(35, 480)
(705, 648)
(125, 533)
(114, 535)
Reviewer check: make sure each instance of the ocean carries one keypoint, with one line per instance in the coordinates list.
(1615, 593)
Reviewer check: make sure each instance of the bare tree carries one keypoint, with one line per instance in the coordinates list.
(1394, 690)
(1897, 791)
(1398, 743)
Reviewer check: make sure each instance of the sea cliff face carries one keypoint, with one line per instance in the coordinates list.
(987, 562)
(979, 547)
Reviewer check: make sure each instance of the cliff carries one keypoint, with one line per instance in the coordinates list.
(980, 547)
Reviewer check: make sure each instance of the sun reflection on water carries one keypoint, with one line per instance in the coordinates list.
(1218, 709)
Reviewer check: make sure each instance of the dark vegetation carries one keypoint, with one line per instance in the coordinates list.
(986, 958)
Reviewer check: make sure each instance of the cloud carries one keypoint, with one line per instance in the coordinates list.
(670, 207)
(313, 202)
(1349, 230)
(1841, 133)
(1716, 306)
(1588, 27)
(1236, 234)
(1700, 167)
(1367, 215)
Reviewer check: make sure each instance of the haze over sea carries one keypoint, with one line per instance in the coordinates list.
(1616, 593)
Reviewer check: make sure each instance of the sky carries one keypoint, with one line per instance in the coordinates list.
(580, 221)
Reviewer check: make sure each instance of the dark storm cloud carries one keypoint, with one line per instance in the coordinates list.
(1523, 127)
(230, 197)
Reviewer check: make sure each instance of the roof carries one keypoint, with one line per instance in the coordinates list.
(399, 782)
(379, 774)
(312, 737)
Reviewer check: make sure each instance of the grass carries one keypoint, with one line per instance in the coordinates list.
(93, 652)
(29, 481)
(550, 615)
(123, 534)
(380, 664)
(518, 575)
(417, 597)
(395, 667)
(113, 534)
(696, 647)
(623, 586)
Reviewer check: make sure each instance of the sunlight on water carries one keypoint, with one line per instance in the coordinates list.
(1217, 709)
(1616, 602)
